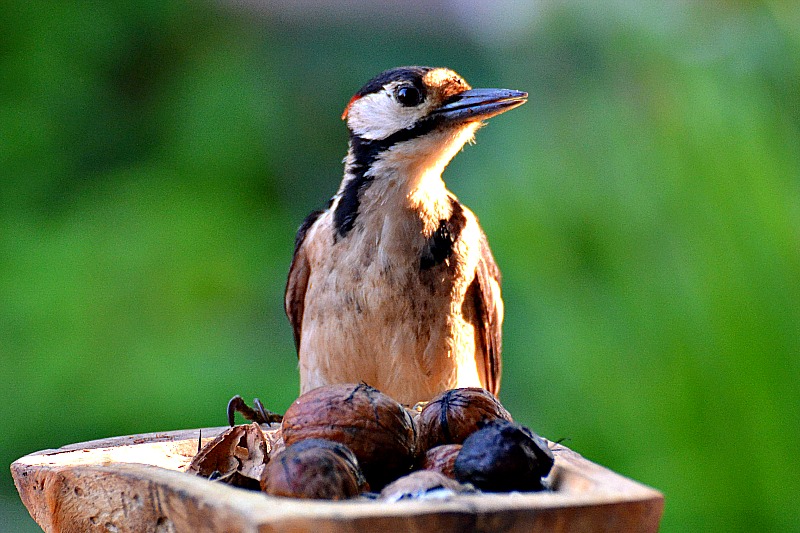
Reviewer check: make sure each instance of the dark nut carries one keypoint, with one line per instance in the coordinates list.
(422, 484)
(376, 428)
(313, 469)
(454, 415)
(504, 456)
(441, 459)
(342, 451)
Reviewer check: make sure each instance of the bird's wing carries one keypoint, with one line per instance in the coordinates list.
(489, 310)
(296, 285)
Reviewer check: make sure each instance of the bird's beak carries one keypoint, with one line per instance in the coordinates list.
(480, 104)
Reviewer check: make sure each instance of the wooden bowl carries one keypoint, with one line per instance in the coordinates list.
(136, 483)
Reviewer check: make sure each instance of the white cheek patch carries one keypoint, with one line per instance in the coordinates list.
(378, 115)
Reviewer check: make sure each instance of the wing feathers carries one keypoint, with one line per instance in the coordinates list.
(297, 283)
(489, 310)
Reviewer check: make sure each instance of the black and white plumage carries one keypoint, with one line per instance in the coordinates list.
(394, 283)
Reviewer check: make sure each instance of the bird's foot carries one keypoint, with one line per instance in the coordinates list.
(259, 415)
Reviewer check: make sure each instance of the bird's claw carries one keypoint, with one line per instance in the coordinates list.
(259, 415)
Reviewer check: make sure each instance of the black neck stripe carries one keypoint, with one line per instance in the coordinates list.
(364, 153)
(440, 245)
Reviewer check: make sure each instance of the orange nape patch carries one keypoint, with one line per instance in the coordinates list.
(445, 83)
(347, 109)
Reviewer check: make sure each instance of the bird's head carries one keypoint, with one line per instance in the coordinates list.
(420, 114)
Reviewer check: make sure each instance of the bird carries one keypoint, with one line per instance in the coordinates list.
(393, 284)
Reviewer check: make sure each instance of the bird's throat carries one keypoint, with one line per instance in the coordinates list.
(400, 175)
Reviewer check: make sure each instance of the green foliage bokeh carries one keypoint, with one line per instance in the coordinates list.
(156, 159)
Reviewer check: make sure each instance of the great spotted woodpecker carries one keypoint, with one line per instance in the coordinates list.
(394, 283)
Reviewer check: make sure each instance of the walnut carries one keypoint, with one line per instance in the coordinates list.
(375, 427)
(441, 459)
(503, 456)
(454, 415)
(423, 484)
(314, 469)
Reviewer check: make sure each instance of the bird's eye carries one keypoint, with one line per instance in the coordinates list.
(409, 96)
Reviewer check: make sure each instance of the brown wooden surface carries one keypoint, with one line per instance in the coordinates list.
(136, 483)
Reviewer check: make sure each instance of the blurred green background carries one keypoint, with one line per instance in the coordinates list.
(644, 207)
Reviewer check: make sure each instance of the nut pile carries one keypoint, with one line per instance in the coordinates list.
(341, 441)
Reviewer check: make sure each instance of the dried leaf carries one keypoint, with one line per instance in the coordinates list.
(238, 457)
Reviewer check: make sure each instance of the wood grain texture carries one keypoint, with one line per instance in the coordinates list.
(136, 483)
